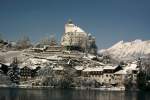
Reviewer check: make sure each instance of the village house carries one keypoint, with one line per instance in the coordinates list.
(128, 73)
(120, 77)
(102, 74)
(54, 48)
(25, 73)
(58, 70)
(94, 73)
(79, 70)
(108, 74)
(132, 69)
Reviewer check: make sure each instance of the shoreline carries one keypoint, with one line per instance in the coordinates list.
(76, 88)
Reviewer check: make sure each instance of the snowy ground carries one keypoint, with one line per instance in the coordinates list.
(10, 55)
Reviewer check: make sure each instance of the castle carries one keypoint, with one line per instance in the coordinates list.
(76, 38)
(73, 39)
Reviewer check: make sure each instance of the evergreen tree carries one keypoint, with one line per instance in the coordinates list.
(13, 72)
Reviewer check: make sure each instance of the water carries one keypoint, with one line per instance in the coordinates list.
(59, 94)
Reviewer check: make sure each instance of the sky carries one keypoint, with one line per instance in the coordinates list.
(110, 21)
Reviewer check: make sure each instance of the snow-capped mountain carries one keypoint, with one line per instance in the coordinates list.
(128, 50)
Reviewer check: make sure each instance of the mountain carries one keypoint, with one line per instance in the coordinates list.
(127, 50)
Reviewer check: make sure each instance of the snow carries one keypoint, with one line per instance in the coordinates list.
(7, 64)
(128, 50)
(58, 68)
(9, 55)
(101, 51)
(128, 69)
(132, 66)
(120, 72)
(93, 69)
(89, 56)
(35, 62)
(110, 67)
(79, 67)
(55, 57)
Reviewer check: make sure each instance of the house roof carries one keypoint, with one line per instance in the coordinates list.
(93, 69)
(109, 67)
(7, 64)
(120, 72)
(79, 67)
(131, 67)
(25, 67)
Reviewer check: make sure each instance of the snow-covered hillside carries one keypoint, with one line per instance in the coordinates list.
(128, 50)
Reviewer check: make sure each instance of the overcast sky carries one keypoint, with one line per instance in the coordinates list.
(108, 20)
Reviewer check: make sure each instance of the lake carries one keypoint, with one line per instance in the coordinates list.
(69, 94)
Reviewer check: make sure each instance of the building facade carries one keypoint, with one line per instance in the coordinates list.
(25, 73)
(76, 37)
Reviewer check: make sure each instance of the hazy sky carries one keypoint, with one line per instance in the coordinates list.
(108, 20)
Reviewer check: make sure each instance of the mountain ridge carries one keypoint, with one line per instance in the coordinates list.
(127, 50)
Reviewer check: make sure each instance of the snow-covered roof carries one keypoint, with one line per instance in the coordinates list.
(93, 69)
(121, 72)
(75, 28)
(8, 64)
(79, 67)
(132, 66)
(31, 67)
(37, 49)
(55, 57)
(89, 56)
(109, 67)
(32, 62)
(58, 68)
(4, 63)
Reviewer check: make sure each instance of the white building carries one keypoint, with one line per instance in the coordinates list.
(73, 35)
(76, 37)
(94, 73)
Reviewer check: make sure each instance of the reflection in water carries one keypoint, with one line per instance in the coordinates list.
(68, 94)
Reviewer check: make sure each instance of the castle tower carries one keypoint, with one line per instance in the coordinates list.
(72, 35)
(76, 37)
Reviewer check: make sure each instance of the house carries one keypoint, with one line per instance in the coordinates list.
(53, 48)
(132, 69)
(58, 70)
(128, 73)
(120, 77)
(25, 73)
(94, 73)
(34, 71)
(108, 74)
(79, 70)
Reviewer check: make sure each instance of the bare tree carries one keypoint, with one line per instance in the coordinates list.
(47, 41)
(52, 40)
(24, 43)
